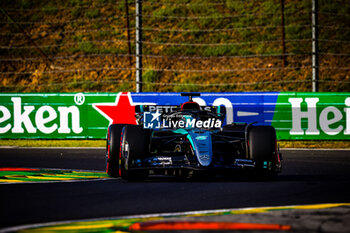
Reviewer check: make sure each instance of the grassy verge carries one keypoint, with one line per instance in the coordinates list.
(102, 143)
(315, 144)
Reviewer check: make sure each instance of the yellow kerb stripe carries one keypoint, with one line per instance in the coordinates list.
(322, 206)
(75, 227)
(48, 178)
(10, 181)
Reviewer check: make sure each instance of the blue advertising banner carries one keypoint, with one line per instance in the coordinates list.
(240, 107)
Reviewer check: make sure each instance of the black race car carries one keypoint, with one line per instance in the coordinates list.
(187, 140)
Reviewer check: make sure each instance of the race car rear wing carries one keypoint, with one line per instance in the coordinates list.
(166, 109)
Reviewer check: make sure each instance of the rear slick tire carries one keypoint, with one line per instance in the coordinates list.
(135, 146)
(262, 150)
(113, 149)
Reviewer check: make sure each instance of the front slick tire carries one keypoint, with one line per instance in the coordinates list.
(113, 149)
(135, 147)
(262, 149)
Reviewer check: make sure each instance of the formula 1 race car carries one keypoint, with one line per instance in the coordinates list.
(187, 140)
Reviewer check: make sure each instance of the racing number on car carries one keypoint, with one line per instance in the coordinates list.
(218, 102)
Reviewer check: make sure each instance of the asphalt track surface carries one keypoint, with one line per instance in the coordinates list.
(308, 177)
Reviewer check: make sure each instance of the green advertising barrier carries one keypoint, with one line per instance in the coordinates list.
(296, 116)
(312, 116)
(53, 115)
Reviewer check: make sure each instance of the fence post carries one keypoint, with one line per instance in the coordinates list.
(138, 45)
(283, 35)
(315, 62)
(128, 28)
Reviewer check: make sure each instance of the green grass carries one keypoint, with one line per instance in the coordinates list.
(315, 144)
(93, 13)
(102, 143)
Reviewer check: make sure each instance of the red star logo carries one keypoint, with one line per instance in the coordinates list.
(120, 112)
